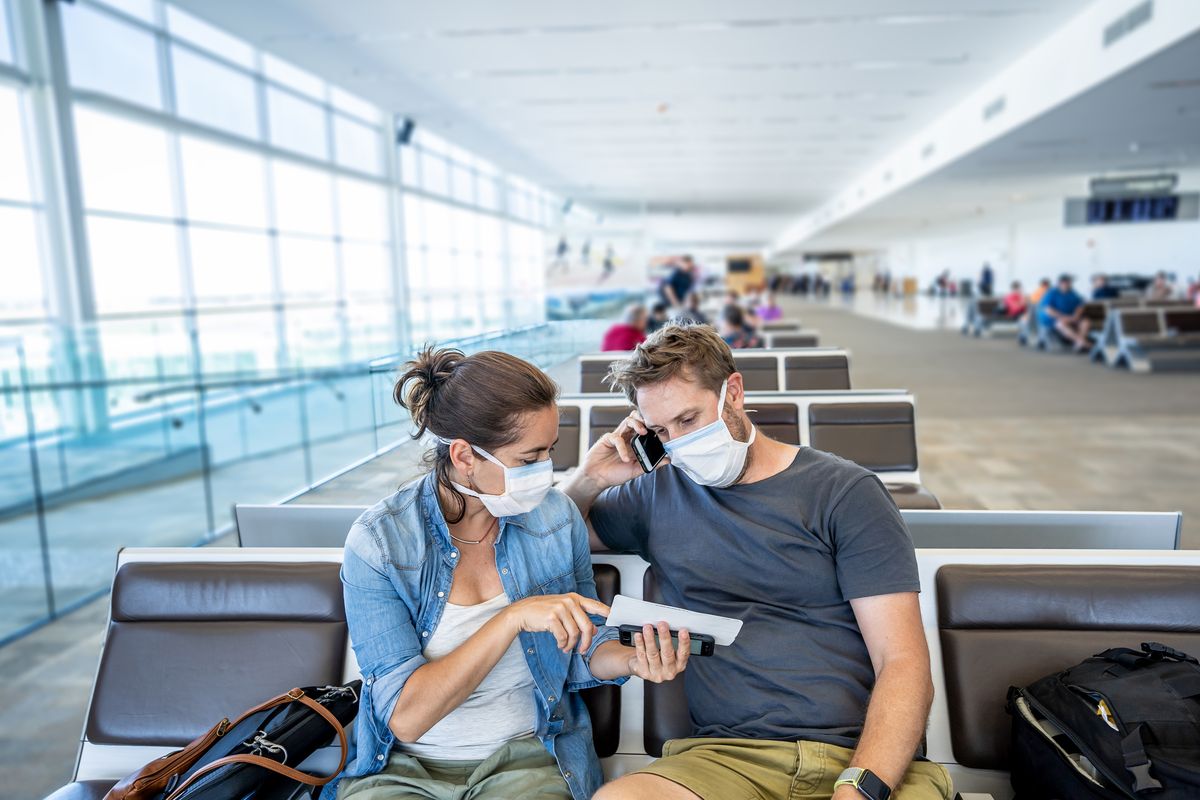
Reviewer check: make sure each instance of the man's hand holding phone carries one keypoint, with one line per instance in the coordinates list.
(613, 460)
(656, 665)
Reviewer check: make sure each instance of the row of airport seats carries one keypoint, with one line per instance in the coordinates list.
(875, 429)
(1150, 339)
(1135, 333)
(783, 369)
(199, 633)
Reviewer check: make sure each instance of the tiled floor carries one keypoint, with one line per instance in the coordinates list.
(998, 427)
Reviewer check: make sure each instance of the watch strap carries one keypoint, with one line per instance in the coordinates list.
(868, 784)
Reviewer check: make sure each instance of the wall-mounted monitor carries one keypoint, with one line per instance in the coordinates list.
(1131, 209)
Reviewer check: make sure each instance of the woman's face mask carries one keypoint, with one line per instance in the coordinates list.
(525, 487)
(711, 456)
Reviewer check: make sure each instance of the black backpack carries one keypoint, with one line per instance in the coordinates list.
(1123, 725)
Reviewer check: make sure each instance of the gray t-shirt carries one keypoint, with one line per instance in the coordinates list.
(785, 555)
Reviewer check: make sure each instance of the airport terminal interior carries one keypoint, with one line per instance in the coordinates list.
(954, 242)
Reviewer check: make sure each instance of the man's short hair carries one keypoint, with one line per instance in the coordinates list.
(693, 352)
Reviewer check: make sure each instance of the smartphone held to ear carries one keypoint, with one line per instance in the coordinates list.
(648, 450)
(702, 644)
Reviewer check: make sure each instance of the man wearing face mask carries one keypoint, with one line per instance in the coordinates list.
(828, 686)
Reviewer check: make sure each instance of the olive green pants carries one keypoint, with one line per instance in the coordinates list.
(742, 769)
(520, 768)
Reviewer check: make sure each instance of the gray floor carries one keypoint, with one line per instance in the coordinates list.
(998, 427)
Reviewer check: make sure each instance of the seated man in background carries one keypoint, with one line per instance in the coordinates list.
(1100, 288)
(1161, 289)
(1014, 306)
(1062, 309)
(830, 672)
(735, 331)
(629, 332)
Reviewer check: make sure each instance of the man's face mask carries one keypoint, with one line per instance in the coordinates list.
(711, 456)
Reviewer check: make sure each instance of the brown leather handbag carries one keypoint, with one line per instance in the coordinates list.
(276, 735)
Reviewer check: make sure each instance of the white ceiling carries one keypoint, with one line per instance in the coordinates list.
(768, 105)
(1146, 119)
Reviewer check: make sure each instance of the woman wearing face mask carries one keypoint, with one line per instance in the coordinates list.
(471, 604)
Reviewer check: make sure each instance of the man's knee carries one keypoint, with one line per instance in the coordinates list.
(639, 786)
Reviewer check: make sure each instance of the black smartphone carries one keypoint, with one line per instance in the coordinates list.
(648, 450)
(702, 643)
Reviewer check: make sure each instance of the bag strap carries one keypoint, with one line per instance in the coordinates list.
(275, 766)
(1151, 653)
(1137, 762)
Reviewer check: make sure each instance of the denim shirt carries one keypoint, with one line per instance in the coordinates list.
(396, 574)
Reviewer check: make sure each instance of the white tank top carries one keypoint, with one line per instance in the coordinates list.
(500, 709)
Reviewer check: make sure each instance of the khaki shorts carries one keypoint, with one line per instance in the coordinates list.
(748, 769)
(519, 769)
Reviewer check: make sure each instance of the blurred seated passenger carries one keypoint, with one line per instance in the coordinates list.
(659, 317)
(735, 332)
(1035, 297)
(1014, 306)
(1100, 288)
(770, 311)
(1062, 309)
(1161, 289)
(691, 314)
(629, 332)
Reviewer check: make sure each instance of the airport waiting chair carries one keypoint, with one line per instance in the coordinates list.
(1045, 530)
(1164, 339)
(1004, 625)
(189, 642)
(879, 436)
(794, 339)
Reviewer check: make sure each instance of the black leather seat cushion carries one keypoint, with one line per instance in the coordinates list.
(591, 376)
(604, 702)
(814, 373)
(794, 340)
(780, 421)
(566, 452)
(83, 790)
(1003, 625)
(664, 705)
(603, 419)
(878, 436)
(189, 643)
(759, 373)
(911, 495)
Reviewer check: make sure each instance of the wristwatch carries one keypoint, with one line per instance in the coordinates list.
(868, 783)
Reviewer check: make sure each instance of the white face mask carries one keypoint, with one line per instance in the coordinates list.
(711, 456)
(525, 487)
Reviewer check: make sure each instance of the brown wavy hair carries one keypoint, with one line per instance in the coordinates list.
(696, 351)
(480, 398)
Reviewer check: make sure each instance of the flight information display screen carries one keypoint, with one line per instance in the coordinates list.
(1157, 208)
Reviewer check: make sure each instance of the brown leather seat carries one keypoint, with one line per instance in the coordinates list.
(591, 376)
(604, 702)
(83, 790)
(603, 419)
(1003, 625)
(878, 436)
(566, 452)
(780, 421)
(191, 642)
(811, 373)
(664, 705)
(1140, 322)
(759, 373)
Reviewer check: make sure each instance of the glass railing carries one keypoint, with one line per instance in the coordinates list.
(154, 447)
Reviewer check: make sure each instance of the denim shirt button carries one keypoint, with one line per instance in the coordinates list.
(441, 594)
(454, 554)
(424, 634)
(370, 681)
(552, 698)
(529, 651)
(504, 571)
(379, 757)
(567, 775)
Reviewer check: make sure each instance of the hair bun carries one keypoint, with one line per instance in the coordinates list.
(418, 387)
